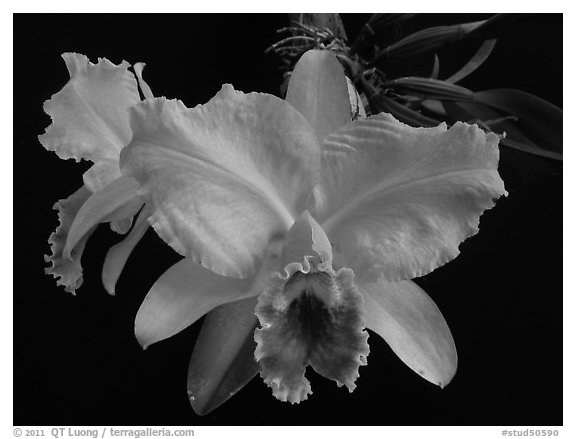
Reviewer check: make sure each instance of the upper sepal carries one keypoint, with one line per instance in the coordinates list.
(319, 91)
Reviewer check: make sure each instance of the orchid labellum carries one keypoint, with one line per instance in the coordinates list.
(300, 228)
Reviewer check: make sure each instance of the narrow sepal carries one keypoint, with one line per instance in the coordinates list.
(223, 358)
(187, 291)
(99, 207)
(118, 255)
(182, 295)
(411, 323)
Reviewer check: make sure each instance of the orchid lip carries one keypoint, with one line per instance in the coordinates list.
(312, 318)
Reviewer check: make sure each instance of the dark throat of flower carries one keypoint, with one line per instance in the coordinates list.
(314, 318)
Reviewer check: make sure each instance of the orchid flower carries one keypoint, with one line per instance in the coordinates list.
(90, 121)
(305, 225)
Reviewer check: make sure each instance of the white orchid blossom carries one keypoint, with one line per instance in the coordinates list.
(290, 213)
(90, 121)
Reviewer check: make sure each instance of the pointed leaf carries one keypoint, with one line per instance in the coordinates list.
(401, 112)
(434, 106)
(429, 88)
(427, 40)
(436, 67)
(515, 138)
(500, 24)
(529, 147)
(476, 61)
(538, 119)
(223, 359)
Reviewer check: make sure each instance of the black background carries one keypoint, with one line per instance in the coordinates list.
(76, 360)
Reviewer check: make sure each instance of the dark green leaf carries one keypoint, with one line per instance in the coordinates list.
(377, 24)
(436, 68)
(515, 138)
(427, 40)
(501, 23)
(401, 112)
(435, 106)
(538, 119)
(528, 147)
(476, 61)
(428, 88)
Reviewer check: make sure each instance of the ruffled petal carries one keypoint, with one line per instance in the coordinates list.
(223, 177)
(309, 315)
(187, 291)
(223, 358)
(410, 322)
(67, 270)
(90, 114)
(118, 255)
(318, 90)
(397, 201)
(98, 208)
